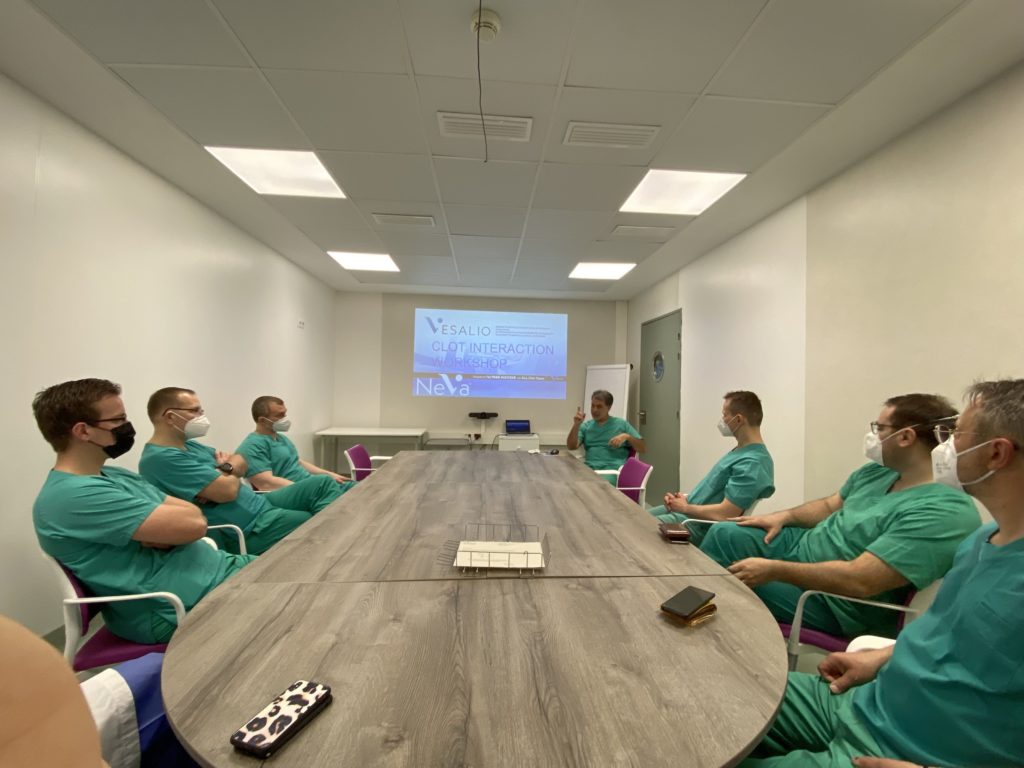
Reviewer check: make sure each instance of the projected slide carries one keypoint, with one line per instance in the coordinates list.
(464, 353)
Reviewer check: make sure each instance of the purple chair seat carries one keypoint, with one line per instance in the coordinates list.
(105, 648)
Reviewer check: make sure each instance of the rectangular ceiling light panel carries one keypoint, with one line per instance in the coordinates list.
(589, 270)
(369, 262)
(688, 193)
(457, 125)
(580, 134)
(279, 172)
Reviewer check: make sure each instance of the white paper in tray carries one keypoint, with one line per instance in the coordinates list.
(499, 554)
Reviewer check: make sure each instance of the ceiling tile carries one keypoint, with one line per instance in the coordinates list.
(735, 135)
(353, 239)
(442, 94)
(480, 220)
(562, 252)
(473, 182)
(323, 220)
(656, 45)
(602, 105)
(406, 178)
(568, 225)
(414, 244)
(352, 112)
(132, 32)
(633, 251)
(585, 187)
(218, 106)
(476, 249)
(820, 50)
(350, 36)
(529, 48)
(413, 266)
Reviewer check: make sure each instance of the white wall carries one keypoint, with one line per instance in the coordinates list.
(596, 337)
(108, 271)
(743, 317)
(915, 272)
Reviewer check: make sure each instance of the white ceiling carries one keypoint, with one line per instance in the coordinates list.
(788, 91)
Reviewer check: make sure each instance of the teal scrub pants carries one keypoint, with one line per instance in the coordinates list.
(814, 729)
(726, 543)
(311, 494)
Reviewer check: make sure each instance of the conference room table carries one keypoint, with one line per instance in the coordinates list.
(433, 665)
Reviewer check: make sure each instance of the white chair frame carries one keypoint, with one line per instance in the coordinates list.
(73, 630)
(918, 605)
(234, 529)
(352, 467)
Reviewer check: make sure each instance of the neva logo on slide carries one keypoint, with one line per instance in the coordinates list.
(474, 353)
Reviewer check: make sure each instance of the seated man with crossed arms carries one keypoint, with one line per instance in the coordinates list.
(738, 479)
(888, 529)
(117, 533)
(174, 461)
(272, 458)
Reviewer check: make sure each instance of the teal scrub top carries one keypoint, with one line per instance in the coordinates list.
(915, 531)
(744, 475)
(277, 456)
(953, 691)
(594, 438)
(184, 472)
(86, 522)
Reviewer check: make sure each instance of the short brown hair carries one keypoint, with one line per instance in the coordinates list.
(746, 403)
(163, 399)
(261, 406)
(604, 396)
(922, 412)
(58, 408)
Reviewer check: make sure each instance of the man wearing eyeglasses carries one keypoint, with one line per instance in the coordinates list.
(950, 692)
(176, 462)
(889, 529)
(116, 532)
(273, 459)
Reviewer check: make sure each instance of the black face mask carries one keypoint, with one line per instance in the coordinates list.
(124, 439)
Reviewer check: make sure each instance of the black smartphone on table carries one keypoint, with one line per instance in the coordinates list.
(693, 605)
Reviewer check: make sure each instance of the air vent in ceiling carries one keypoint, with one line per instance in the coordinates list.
(609, 135)
(455, 125)
(403, 220)
(654, 234)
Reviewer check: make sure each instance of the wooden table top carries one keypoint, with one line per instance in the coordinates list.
(430, 667)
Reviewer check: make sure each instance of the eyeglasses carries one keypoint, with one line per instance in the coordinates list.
(198, 411)
(944, 432)
(877, 425)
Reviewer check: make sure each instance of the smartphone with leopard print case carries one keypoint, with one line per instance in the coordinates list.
(282, 718)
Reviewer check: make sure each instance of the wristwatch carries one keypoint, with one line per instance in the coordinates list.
(226, 467)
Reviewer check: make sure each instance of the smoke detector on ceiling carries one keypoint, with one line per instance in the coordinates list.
(487, 22)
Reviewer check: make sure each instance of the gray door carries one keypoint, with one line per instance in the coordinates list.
(660, 347)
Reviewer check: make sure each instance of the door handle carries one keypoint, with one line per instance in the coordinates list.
(643, 417)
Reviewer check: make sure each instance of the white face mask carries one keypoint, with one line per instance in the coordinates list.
(196, 427)
(944, 470)
(723, 427)
(873, 446)
(281, 425)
